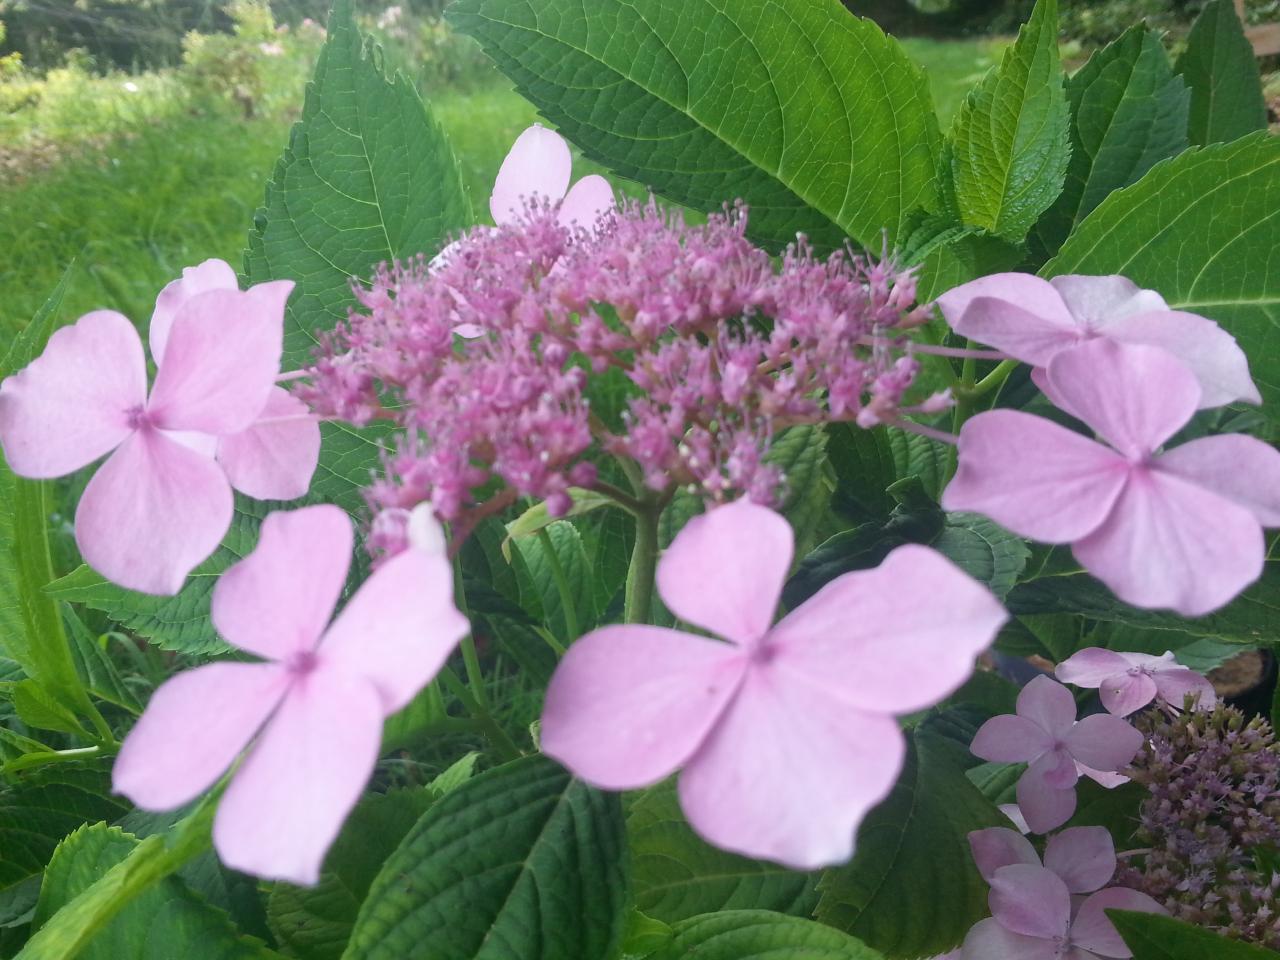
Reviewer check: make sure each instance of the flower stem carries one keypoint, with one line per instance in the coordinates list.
(644, 564)
(562, 586)
(496, 736)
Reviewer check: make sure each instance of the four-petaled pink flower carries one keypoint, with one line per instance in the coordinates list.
(1084, 858)
(1045, 734)
(316, 706)
(160, 503)
(786, 734)
(539, 165)
(1033, 319)
(1129, 681)
(1180, 528)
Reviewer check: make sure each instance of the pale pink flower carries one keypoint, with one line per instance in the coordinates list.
(1045, 734)
(1034, 918)
(539, 165)
(1084, 858)
(313, 710)
(785, 734)
(1033, 319)
(159, 504)
(1129, 681)
(1180, 528)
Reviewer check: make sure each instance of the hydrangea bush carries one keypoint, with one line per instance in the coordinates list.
(655, 567)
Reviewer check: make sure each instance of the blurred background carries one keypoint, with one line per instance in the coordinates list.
(136, 136)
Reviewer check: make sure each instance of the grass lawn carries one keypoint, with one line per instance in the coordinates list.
(181, 188)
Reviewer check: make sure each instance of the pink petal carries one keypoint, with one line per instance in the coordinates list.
(586, 202)
(539, 163)
(1242, 469)
(1015, 816)
(1093, 931)
(987, 940)
(724, 570)
(1048, 704)
(400, 627)
(1124, 694)
(1010, 739)
(789, 772)
(1176, 683)
(151, 513)
(998, 847)
(276, 457)
(629, 704)
(277, 600)
(1098, 303)
(1043, 807)
(221, 360)
(1103, 742)
(1135, 397)
(1091, 667)
(194, 727)
(1108, 781)
(1028, 899)
(210, 275)
(1038, 479)
(893, 639)
(1056, 768)
(1037, 324)
(1170, 544)
(1207, 350)
(1083, 857)
(72, 403)
(288, 800)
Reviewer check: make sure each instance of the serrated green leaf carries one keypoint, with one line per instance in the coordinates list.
(95, 666)
(760, 935)
(1010, 139)
(554, 567)
(1128, 112)
(920, 831)
(1220, 68)
(919, 456)
(1202, 230)
(801, 454)
(1153, 937)
(811, 115)
(37, 708)
(677, 875)
(538, 518)
(165, 921)
(521, 862)
(964, 258)
(984, 550)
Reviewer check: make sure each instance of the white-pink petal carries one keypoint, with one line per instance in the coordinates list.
(1083, 857)
(1028, 899)
(1049, 704)
(210, 275)
(1092, 930)
(586, 202)
(987, 940)
(1127, 692)
(538, 164)
(1097, 303)
(1010, 739)
(1103, 742)
(998, 847)
(1239, 468)
(1091, 666)
(276, 456)
(1044, 807)
(74, 402)
(1175, 684)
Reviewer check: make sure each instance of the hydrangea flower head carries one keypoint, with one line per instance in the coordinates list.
(1045, 734)
(786, 734)
(1033, 320)
(162, 500)
(313, 709)
(1129, 681)
(1179, 528)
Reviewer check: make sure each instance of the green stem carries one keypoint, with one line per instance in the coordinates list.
(644, 564)
(994, 379)
(496, 736)
(562, 585)
(470, 656)
(29, 760)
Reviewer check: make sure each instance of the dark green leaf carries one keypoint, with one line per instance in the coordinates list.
(678, 875)
(1010, 139)
(800, 453)
(1153, 937)
(983, 549)
(963, 258)
(1129, 112)
(561, 576)
(811, 115)
(760, 935)
(521, 862)
(95, 666)
(921, 831)
(37, 708)
(1220, 68)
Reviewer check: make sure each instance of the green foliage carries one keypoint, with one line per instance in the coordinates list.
(706, 101)
(520, 862)
(801, 454)
(760, 935)
(1153, 937)
(1201, 229)
(1010, 140)
(677, 875)
(920, 831)
(1219, 67)
(1128, 112)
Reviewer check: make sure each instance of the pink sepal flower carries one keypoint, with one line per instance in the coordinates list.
(1045, 734)
(1129, 681)
(1179, 528)
(1033, 320)
(785, 734)
(539, 165)
(313, 710)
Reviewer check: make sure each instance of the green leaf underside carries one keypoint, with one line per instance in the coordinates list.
(1129, 112)
(1153, 937)
(809, 114)
(1220, 68)
(760, 935)
(1202, 229)
(520, 863)
(1010, 139)
(912, 889)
